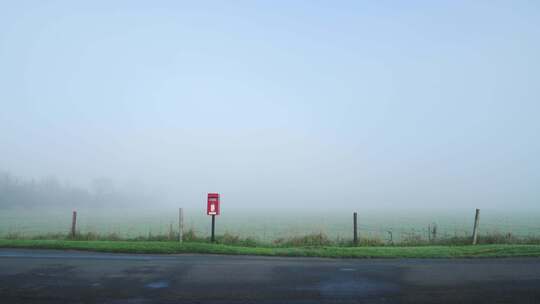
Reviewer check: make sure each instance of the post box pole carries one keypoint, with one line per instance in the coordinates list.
(213, 239)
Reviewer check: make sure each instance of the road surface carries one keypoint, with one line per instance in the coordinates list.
(48, 276)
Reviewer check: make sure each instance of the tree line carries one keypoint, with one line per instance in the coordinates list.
(18, 192)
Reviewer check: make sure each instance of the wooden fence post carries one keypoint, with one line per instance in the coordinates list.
(180, 224)
(355, 229)
(73, 224)
(475, 230)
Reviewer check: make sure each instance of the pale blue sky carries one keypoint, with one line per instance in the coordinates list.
(381, 103)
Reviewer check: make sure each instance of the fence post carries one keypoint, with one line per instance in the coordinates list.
(475, 230)
(391, 236)
(355, 229)
(180, 224)
(73, 224)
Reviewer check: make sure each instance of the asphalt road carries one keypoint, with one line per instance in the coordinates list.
(48, 276)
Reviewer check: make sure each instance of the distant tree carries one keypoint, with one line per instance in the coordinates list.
(20, 193)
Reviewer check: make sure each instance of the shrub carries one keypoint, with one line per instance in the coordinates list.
(315, 239)
(191, 236)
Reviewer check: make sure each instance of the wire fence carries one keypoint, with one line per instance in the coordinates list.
(267, 228)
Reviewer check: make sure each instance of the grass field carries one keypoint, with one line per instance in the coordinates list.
(390, 227)
(479, 251)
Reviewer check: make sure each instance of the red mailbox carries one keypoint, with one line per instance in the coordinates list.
(212, 208)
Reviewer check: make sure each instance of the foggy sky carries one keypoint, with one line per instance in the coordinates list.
(277, 104)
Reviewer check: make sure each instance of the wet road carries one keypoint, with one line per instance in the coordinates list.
(48, 276)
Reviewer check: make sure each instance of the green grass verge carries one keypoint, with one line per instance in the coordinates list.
(328, 252)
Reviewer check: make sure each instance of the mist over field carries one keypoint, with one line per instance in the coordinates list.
(296, 113)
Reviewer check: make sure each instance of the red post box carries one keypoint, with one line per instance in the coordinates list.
(212, 207)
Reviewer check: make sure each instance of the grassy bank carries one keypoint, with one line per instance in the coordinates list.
(308, 240)
(322, 251)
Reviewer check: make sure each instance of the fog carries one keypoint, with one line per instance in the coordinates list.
(280, 106)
